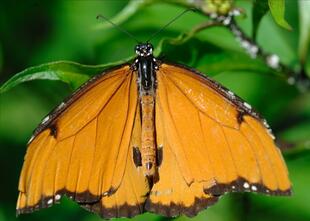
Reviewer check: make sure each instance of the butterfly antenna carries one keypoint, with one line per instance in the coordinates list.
(170, 22)
(118, 27)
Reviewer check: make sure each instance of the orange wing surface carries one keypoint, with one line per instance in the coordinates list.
(121, 146)
(82, 150)
(213, 139)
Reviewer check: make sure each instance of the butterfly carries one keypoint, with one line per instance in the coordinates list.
(150, 136)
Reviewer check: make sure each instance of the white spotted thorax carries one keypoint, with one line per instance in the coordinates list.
(144, 50)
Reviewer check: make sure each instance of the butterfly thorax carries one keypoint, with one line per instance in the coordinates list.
(146, 66)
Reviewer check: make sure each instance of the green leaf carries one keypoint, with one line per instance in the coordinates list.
(131, 9)
(277, 8)
(214, 64)
(260, 8)
(304, 37)
(297, 139)
(69, 72)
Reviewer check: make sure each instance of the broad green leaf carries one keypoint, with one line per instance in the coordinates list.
(230, 61)
(69, 72)
(277, 8)
(208, 58)
(304, 37)
(260, 8)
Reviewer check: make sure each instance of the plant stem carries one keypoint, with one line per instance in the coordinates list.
(299, 78)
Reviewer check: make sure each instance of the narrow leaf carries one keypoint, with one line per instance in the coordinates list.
(69, 72)
(277, 8)
(128, 11)
(304, 37)
(260, 8)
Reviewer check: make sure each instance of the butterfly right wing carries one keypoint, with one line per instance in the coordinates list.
(212, 144)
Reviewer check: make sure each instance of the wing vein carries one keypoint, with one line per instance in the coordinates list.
(170, 114)
(173, 82)
(266, 154)
(95, 147)
(127, 113)
(205, 143)
(255, 155)
(230, 151)
(108, 101)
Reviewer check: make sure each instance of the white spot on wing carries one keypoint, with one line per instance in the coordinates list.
(61, 106)
(265, 123)
(50, 201)
(254, 188)
(57, 197)
(271, 134)
(247, 105)
(231, 93)
(30, 140)
(246, 185)
(45, 119)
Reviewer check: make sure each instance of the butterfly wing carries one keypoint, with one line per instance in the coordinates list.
(83, 148)
(213, 140)
(171, 196)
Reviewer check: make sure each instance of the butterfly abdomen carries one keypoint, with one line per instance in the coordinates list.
(148, 147)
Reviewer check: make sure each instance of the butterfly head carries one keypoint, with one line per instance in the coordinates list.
(144, 50)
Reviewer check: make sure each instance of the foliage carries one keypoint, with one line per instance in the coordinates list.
(45, 36)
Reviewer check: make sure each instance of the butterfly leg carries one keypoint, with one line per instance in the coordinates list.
(137, 156)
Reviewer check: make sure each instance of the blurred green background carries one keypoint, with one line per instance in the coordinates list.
(37, 32)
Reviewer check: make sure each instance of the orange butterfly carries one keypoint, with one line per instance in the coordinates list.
(150, 136)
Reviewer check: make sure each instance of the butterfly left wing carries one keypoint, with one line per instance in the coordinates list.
(83, 150)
